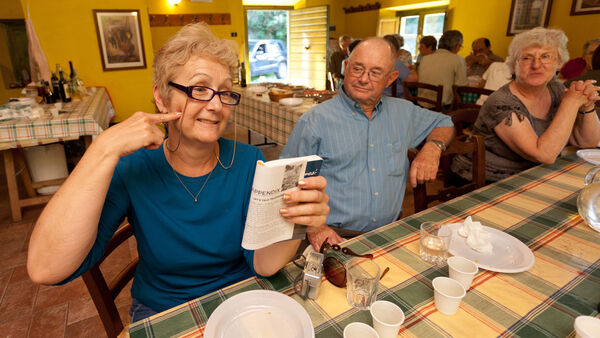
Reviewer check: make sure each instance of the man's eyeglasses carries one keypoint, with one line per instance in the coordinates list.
(202, 93)
(526, 60)
(373, 74)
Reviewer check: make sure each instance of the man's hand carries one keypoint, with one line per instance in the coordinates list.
(425, 166)
(317, 235)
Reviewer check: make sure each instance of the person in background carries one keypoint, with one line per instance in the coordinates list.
(335, 61)
(582, 65)
(497, 75)
(481, 57)
(400, 67)
(363, 138)
(529, 120)
(427, 45)
(444, 67)
(405, 55)
(185, 195)
(351, 47)
(593, 74)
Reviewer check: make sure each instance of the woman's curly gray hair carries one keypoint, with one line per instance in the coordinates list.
(191, 40)
(542, 37)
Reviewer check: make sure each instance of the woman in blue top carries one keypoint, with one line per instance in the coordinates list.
(186, 195)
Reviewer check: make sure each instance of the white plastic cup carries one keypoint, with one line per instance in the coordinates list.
(447, 295)
(587, 327)
(462, 270)
(387, 318)
(359, 330)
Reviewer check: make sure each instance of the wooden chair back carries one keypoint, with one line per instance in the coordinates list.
(466, 96)
(104, 293)
(416, 99)
(462, 144)
(464, 119)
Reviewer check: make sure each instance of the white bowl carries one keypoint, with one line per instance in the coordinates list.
(291, 101)
(587, 327)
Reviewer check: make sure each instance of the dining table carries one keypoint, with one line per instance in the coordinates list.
(537, 207)
(81, 118)
(258, 113)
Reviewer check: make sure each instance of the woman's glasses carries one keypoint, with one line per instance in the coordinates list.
(202, 93)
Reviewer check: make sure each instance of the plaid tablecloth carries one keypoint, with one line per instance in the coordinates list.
(271, 119)
(84, 117)
(537, 206)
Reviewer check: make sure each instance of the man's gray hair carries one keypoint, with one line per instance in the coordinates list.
(450, 39)
(541, 37)
(344, 37)
(588, 43)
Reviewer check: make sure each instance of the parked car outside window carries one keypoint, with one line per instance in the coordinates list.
(266, 57)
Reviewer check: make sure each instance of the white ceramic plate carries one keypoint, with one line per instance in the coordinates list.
(291, 101)
(509, 255)
(590, 155)
(259, 313)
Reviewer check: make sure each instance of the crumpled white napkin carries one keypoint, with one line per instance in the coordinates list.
(477, 238)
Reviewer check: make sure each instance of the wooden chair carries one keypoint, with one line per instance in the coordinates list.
(466, 96)
(462, 144)
(104, 293)
(464, 119)
(411, 88)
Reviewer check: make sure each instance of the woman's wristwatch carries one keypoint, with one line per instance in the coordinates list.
(438, 143)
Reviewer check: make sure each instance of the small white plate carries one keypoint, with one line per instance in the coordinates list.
(259, 313)
(509, 255)
(590, 155)
(291, 101)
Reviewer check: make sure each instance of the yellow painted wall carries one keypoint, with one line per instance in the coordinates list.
(67, 31)
(160, 35)
(9, 9)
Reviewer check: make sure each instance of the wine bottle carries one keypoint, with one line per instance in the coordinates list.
(77, 85)
(65, 95)
(55, 84)
(49, 97)
(243, 75)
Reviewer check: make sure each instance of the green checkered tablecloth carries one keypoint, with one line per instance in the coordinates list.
(271, 119)
(89, 116)
(537, 207)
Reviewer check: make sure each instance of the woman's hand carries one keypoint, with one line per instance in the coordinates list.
(309, 205)
(584, 93)
(138, 131)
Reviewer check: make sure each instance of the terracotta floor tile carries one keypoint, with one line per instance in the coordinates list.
(116, 262)
(62, 294)
(20, 274)
(49, 322)
(17, 327)
(4, 278)
(18, 259)
(91, 327)
(18, 300)
(80, 309)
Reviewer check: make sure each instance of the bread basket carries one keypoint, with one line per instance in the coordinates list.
(277, 94)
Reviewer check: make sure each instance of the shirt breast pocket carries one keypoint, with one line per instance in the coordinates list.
(397, 158)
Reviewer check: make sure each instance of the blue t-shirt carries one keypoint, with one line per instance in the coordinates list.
(186, 249)
(364, 160)
(403, 73)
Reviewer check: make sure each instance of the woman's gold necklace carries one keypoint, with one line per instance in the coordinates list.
(188, 190)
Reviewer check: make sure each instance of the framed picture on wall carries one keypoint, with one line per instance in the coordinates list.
(120, 40)
(581, 7)
(528, 14)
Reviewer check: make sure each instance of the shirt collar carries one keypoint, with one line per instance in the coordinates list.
(355, 106)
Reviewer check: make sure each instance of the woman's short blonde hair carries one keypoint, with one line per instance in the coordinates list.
(539, 36)
(192, 40)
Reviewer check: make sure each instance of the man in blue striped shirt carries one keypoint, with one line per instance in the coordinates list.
(363, 138)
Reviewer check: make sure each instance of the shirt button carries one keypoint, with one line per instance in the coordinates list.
(371, 145)
(376, 193)
(372, 169)
(374, 219)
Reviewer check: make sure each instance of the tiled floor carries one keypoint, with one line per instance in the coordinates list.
(31, 310)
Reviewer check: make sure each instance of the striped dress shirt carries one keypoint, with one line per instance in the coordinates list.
(364, 160)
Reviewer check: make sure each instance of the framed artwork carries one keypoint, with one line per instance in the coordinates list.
(528, 14)
(119, 34)
(581, 7)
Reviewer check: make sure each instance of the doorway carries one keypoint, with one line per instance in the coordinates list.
(267, 45)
